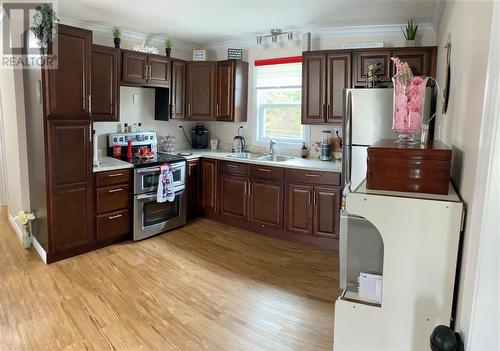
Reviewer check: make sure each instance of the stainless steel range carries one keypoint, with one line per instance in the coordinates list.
(151, 217)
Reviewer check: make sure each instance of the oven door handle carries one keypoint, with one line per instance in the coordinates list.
(178, 190)
(157, 169)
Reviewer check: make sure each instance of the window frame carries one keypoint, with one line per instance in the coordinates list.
(260, 137)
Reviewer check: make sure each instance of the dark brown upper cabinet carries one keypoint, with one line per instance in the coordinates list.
(104, 83)
(338, 78)
(313, 88)
(380, 58)
(324, 77)
(145, 70)
(422, 61)
(178, 89)
(67, 88)
(200, 91)
(232, 86)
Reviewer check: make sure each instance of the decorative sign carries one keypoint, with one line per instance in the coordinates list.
(306, 42)
(199, 55)
(142, 47)
(234, 54)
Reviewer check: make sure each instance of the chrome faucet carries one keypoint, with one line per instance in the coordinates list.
(271, 146)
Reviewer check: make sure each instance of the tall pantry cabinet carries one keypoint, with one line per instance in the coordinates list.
(59, 138)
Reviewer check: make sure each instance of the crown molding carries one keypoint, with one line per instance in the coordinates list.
(436, 17)
(360, 31)
(374, 30)
(103, 29)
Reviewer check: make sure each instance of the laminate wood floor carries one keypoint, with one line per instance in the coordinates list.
(206, 286)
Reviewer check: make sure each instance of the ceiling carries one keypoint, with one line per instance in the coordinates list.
(212, 21)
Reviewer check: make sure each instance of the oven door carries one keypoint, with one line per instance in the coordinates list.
(146, 179)
(151, 217)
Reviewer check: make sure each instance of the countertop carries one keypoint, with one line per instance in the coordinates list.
(312, 164)
(111, 164)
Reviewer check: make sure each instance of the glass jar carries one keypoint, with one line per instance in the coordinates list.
(409, 99)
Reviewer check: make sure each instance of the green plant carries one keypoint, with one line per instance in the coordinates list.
(43, 26)
(168, 43)
(117, 33)
(410, 31)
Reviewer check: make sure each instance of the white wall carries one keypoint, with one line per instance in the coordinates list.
(225, 132)
(469, 24)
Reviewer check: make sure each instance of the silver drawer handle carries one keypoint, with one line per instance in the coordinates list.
(313, 175)
(263, 170)
(115, 216)
(233, 166)
(115, 175)
(114, 190)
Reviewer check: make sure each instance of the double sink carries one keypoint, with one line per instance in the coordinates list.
(261, 157)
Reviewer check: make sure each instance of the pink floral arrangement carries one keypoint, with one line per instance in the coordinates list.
(408, 99)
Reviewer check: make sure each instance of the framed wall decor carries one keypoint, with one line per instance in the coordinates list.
(199, 55)
(234, 54)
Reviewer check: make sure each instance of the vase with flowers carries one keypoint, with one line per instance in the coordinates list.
(409, 96)
(24, 219)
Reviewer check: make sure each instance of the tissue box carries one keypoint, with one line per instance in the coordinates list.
(370, 287)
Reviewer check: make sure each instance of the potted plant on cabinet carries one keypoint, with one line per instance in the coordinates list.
(117, 33)
(168, 47)
(410, 33)
(43, 26)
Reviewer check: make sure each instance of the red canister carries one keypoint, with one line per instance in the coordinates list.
(117, 151)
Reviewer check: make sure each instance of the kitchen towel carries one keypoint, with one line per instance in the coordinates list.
(166, 190)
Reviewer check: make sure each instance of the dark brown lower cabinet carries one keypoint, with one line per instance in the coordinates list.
(113, 204)
(326, 211)
(296, 205)
(234, 196)
(209, 186)
(193, 188)
(300, 209)
(70, 184)
(266, 203)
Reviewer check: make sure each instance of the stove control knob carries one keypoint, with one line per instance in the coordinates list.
(115, 139)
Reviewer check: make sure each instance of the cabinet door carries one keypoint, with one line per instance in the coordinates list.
(225, 91)
(193, 184)
(266, 203)
(178, 89)
(209, 186)
(338, 78)
(313, 88)
(159, 71)
(326, 211)
(234, 196)
(105, 86)
(67, 88)
(299, 213)
(419, 60)
(201, 90)
(381, 58)
(134, 67)
(70, 184)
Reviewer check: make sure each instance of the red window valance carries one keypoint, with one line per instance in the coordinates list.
(278, 61)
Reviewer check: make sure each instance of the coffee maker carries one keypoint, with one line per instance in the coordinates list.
(199, 137)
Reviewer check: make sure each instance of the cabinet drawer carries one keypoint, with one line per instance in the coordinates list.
(233, 167)
(121, 176)
(113, 198)
(113, 224)
(267, 172)
(313, 177)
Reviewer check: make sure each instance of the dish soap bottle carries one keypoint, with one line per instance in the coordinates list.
(304, 151)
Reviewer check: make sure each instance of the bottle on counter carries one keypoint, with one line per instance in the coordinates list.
(304, 151)
(125, 128)
(139, 127)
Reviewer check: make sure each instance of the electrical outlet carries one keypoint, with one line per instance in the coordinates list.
(179, 125)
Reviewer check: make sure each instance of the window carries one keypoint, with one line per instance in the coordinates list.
(278, 90)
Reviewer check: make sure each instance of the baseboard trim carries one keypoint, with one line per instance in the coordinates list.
(38, 248)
